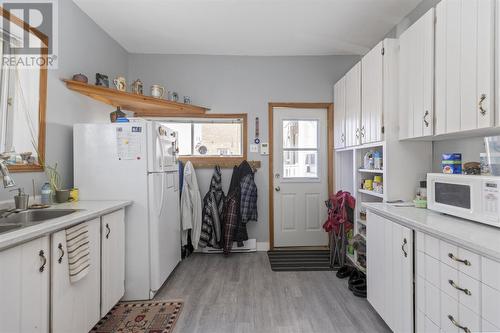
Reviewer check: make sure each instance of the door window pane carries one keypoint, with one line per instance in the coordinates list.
(300, 164)
(300, 134)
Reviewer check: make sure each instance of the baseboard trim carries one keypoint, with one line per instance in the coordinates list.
(262, 246)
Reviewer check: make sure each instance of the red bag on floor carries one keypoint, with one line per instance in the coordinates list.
(340, 210)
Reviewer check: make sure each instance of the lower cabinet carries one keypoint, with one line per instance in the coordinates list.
(456, 290)
(24, 287)
(112, 260)
(390, 272)
(75, 307)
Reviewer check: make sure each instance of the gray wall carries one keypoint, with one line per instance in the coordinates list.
(85, 48)
(232, 84)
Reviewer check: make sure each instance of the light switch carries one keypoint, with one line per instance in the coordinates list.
(254, 148)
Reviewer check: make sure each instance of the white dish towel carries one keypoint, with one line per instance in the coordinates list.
(77, 246)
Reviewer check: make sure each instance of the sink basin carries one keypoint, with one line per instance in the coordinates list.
(8, 227)
(30, 217)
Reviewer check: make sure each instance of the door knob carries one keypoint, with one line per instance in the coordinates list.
(277, 189)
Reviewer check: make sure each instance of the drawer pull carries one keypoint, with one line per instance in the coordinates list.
(60, 247)
(454, 322)
(454, 285)
(43, 258)
(465, 262)
(405, 242)
(108, 231)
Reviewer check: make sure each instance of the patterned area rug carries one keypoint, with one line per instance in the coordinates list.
(140, 317)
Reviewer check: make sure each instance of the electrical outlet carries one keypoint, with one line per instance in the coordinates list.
(254, 148)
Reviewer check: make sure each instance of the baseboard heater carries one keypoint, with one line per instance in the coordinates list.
(248, 246)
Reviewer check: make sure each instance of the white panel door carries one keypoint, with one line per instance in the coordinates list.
(464, 65)
(112, 259)
(416, 94)
(339, 121)
(24, 287)
(300, 176)
(353, 105)
(75, 306)
(372, 81)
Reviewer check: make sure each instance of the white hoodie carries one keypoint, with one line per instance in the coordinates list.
(190, 206)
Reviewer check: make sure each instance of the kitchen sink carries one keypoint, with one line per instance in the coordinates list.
(31, 217)
(8, 227)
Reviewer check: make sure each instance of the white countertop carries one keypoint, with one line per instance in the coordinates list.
(88, 210)
(473, 236)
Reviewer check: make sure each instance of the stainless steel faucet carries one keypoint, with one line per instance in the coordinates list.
(7, 179)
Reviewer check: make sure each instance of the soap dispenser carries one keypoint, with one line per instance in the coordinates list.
(21, 199)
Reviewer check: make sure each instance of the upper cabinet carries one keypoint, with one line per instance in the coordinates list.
(464, 65)
(339, 114)
(416, 77)
(372, 102)
(353, 106)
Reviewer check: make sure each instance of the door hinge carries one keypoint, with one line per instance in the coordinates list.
(383, 51)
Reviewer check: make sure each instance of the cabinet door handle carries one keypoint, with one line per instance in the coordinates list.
(342, 138)
(43, 258)
(363, 131)
(357, 133)
(463, 261)
(60, 247)
(454, 322)
(108, 231)
(405, 242)
(481, 109)
(454, 285)
(426, 114)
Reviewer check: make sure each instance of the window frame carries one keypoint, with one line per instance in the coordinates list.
(209, 161)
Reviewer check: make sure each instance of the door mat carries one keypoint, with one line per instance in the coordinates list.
(140, 317)
(299, 260)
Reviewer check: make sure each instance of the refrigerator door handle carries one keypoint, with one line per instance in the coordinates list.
(162, 204)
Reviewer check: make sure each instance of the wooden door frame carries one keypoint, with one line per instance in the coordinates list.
(271, 107)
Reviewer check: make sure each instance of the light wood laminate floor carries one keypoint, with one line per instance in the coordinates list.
(242, 294)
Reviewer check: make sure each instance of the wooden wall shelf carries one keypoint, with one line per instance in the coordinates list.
(211, 163)
(139, 104)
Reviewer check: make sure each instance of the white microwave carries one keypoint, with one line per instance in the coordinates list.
(475, 198)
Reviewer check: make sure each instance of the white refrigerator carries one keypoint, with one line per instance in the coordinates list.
(135, 161)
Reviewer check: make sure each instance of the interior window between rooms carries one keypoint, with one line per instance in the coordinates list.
(209, 137)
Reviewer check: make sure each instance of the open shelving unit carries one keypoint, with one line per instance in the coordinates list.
(349, 175)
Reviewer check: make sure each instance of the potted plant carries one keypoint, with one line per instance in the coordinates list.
(56, 184)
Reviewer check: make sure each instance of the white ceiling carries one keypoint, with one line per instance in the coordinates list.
(247, 27)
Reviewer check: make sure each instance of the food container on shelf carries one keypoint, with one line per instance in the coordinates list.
(452, 163)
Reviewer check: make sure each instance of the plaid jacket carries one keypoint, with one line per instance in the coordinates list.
(248, 205)
(231, 209)
(212, 213)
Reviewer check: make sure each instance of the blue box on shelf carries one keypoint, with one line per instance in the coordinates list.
(452, 163)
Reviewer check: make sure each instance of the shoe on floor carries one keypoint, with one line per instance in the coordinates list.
(344, 272)
(359, 291)
(357, 283)
(355, 275)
